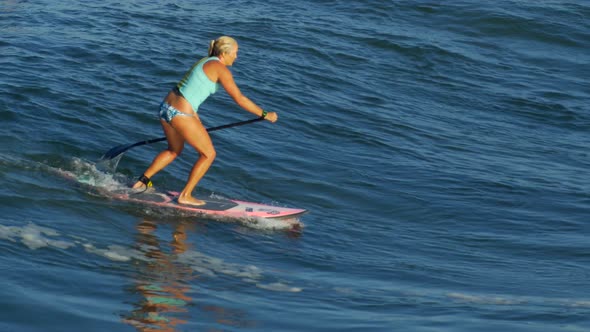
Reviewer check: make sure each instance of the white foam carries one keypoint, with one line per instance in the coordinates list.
(272, 224)
(211, 266)
(279, 287)
(115, 253)
(483, 299)
(582, 304)
(36, 237)
(33, 236)
(513, 300)
(8, 232)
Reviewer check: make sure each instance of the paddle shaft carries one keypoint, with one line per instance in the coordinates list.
(112, 153)
(235, 124)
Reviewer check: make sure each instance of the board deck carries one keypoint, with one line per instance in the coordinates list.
(214, 206)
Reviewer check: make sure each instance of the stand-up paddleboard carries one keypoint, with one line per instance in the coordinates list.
(228, 208)
(252, 214)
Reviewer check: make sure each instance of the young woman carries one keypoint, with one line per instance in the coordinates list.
(179, 118)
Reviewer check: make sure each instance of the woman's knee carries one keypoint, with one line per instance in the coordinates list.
(208, 153)
(173, 153)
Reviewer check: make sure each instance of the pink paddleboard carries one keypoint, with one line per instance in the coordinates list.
(221, 208)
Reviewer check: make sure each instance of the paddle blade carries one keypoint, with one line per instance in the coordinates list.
(117, 150)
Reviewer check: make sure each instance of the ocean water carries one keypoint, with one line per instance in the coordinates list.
(441, 147)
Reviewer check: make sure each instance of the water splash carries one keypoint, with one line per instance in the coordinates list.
(93, 175)
(109, 165)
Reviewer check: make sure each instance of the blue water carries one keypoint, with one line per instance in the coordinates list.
(441, 148)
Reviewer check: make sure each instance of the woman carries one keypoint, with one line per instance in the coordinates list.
(179, 118)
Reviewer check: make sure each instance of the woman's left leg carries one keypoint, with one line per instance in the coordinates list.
(164, 158)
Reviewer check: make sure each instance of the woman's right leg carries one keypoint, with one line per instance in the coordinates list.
(164, 158)
(195, 134)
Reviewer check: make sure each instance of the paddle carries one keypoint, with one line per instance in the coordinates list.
(117, 150)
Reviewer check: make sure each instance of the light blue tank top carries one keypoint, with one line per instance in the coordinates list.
(195, 86)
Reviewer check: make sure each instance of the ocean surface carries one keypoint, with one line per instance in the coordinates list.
(441, 147)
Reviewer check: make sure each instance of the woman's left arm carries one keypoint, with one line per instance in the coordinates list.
(226, 79)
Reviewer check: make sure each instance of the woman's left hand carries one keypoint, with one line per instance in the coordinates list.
(272, 117)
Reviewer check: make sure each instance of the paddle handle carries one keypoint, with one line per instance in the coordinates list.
(235, 124)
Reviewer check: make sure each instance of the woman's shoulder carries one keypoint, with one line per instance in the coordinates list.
(213, 63)
(214, 69)
(210, 59)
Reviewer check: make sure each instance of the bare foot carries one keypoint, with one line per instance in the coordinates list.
(138, 185)
(189, 200)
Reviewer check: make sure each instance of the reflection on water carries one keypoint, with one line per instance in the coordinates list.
(163, 283)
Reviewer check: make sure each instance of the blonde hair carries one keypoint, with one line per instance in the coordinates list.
(221, 45)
